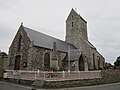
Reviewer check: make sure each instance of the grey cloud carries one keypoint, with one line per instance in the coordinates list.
(49, 17)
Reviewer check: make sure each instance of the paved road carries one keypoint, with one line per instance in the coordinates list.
(9, 86)
(115, 86)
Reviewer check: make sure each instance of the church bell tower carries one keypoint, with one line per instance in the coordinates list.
(76, 29)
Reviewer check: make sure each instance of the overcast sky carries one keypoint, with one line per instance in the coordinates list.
(48, 16)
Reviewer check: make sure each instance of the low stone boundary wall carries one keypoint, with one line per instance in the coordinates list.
(71, 83)
(108, 76)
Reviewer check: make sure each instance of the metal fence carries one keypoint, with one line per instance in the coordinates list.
(58, 75)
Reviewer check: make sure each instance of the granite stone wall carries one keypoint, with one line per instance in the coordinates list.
(23, 52)
(31, 55)
(107, 77)
(76, 34)
(36, 58)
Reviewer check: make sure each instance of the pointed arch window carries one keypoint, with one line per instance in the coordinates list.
(72, 16)
(19, 43)
(81, 63)
(46, 61)
(94, 62)
(72, 24)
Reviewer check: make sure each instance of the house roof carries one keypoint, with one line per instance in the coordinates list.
(42, 40)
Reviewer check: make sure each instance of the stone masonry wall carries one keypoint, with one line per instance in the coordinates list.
(36, 58)
(76, 34)
(107, 77)
(13, 52)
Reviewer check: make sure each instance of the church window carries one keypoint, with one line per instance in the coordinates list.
(94, 61)
(46, 61)
(81, 63)
(72, 24)
(19, 43)
(72, 16)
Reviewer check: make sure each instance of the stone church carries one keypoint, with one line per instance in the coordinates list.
(33, 50)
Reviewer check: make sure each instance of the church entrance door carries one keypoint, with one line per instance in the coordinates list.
(17, 63)
(46, 61)
(81, 63)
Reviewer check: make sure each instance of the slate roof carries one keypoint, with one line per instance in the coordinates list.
(42, 40)
(72, 55)
(89, 44)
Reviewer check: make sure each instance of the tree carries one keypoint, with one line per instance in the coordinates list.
(108, 65)
(117, 62)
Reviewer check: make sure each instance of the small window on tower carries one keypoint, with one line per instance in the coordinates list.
(72, 24)
(72, 16)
